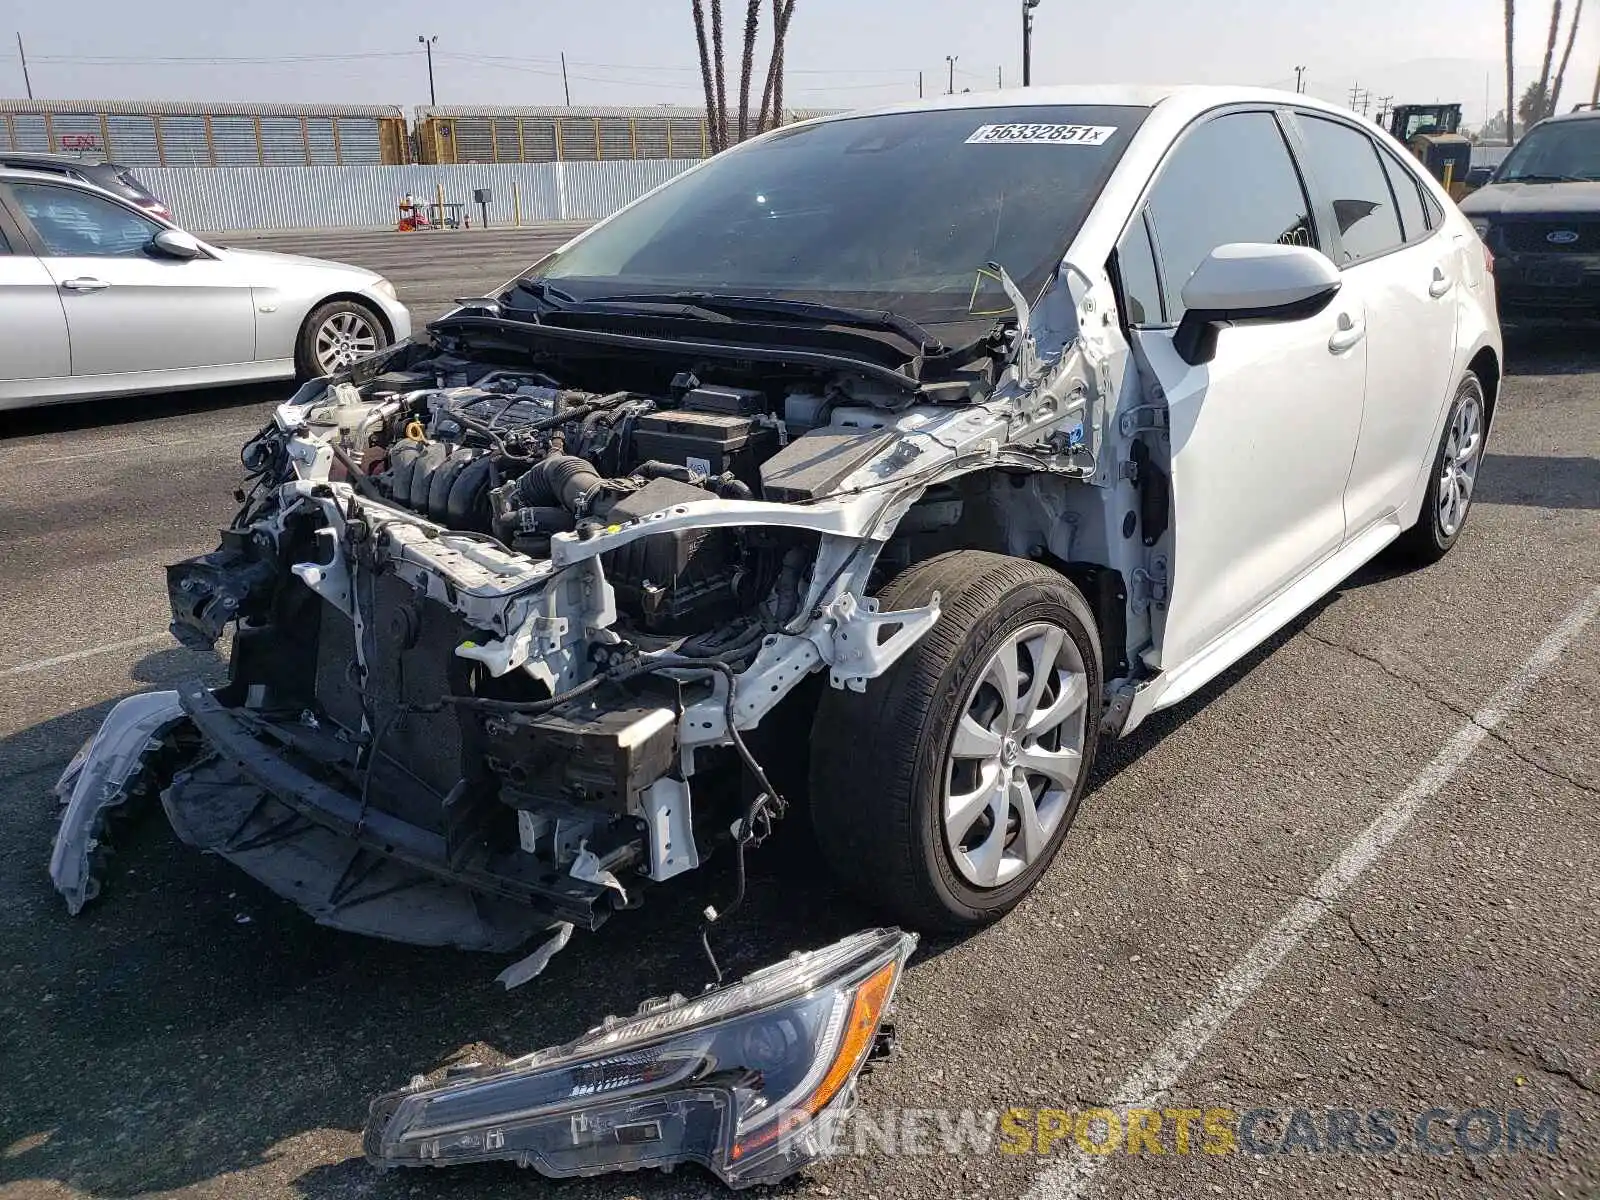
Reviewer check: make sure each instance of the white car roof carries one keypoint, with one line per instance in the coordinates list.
(1183, 100)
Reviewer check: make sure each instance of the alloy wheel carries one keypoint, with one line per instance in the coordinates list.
(1016, 755)
(1458, 472)
(342, 339)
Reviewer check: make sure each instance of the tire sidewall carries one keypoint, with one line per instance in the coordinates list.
(1026, 605)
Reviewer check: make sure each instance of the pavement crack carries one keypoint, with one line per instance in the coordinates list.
(1499, 738)
(1546, 1059)
(1360, 935)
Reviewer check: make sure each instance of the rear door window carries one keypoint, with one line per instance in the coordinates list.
(1345, 163)
(1408, 192)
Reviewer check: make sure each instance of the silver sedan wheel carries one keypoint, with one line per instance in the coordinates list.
(342, 339)
(1016, 755)
(1463, 451)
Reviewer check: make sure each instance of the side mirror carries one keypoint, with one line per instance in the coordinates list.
(1251, 282)
(1479, 177)
(175, 243)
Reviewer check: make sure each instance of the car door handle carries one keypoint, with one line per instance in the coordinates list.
(1441, 284)
(85, 283)
(1350, 332)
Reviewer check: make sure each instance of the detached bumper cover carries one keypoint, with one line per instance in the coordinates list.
(105, 774)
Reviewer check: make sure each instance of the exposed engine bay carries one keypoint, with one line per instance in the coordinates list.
(518, 630)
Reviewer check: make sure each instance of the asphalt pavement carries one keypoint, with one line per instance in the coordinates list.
(1357, 876)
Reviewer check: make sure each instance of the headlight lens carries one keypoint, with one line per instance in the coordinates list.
(1481, 224)
(386, 288)
(742, 1080)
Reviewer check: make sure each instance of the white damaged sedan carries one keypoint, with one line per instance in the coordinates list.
(893, 458)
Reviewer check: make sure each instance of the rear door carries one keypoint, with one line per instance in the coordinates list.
(1409, 275)
(1261, 436)
(128, 311)
(33, 325)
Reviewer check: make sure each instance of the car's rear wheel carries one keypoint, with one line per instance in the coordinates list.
(1453, 477)
(943, 792)
(337, 334)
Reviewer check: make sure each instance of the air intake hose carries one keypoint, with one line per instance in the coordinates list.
(562, 480)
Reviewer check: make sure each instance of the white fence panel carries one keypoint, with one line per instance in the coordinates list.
(209, 200)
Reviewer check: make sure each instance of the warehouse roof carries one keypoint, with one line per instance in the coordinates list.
(186, 108)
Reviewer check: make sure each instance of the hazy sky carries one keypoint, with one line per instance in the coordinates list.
(842, 53)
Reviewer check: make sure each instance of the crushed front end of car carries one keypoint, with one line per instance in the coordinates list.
(500, 632)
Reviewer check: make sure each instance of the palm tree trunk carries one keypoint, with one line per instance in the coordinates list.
(1566, 55)
(722, 87)
(1549, 58)
(705, 73)
(752, 25)
(772, 92)
(1511, 86)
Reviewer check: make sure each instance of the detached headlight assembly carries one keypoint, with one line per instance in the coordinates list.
(744, 1080)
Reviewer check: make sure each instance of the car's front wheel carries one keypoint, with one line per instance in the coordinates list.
(942, 793)
(1453, 478)
(336, 335)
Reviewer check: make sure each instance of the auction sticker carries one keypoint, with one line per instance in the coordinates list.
(1044, 135)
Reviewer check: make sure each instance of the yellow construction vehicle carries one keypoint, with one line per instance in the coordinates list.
(1432, 133)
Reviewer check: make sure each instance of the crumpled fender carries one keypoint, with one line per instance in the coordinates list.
(97, 779)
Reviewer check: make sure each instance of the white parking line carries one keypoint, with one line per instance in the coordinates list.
(44, 664)
(1068, 1179)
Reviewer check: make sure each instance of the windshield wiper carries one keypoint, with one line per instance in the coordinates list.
(805, 310)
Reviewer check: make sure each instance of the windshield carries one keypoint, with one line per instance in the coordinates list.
(900, 212)
(1562, 150)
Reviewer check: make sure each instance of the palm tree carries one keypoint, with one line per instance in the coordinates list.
(713, 73)
(722, 85)
(1511, 87)
(752, 25)
(1566, 55)
(772, 92)
(705, 73)
(1549, 58)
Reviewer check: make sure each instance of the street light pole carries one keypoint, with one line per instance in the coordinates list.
(1299, 76)
(1027, 41)
(427, 44)
(951, 59)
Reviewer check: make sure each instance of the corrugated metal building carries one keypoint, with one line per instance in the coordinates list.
(174, 134)
(490, 134)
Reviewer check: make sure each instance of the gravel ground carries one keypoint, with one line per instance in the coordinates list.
(192, 1036)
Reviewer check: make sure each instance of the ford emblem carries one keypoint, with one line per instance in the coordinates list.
(1561, 237)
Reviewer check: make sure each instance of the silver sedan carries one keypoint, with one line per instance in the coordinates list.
(100, 299)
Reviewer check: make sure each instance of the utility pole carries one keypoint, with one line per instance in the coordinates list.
(919, 85)
(1027, 41)
(1299, 80)
(951, 59)
(23, 55)
(427, 44)
(565, 86)
(1000, 77)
